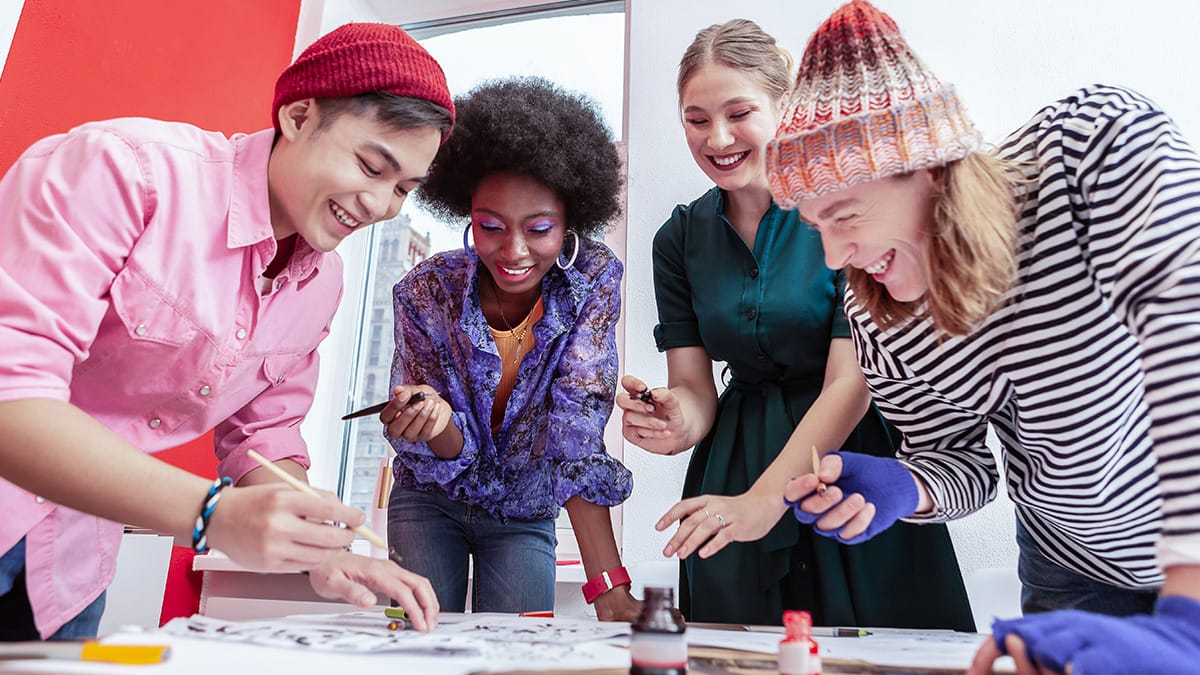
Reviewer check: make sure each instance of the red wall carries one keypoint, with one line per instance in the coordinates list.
(212, 63)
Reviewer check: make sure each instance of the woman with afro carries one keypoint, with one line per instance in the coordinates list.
(505, 367)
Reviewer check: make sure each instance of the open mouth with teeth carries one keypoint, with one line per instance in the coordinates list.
(880, 266)
(342, 216)
(727, 162)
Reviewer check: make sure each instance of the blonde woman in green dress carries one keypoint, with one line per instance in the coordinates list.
(739, 280)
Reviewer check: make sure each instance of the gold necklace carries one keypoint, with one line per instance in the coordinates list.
(511, 330)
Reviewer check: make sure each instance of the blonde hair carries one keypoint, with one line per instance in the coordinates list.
(742, 45)
(971, 260)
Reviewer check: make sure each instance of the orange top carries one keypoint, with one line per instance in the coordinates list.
(512, 345)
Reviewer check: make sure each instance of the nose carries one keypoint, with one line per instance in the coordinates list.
(515, 246)
(838, 249)
(380, 202)
(719, 136)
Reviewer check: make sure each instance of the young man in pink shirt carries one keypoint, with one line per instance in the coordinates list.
(157, 281)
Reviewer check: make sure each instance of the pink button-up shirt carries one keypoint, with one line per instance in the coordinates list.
(130, 255)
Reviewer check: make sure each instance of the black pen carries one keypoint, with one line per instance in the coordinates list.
(839, 631)
(378, 407)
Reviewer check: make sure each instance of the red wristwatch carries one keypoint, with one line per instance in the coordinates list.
(604, 582)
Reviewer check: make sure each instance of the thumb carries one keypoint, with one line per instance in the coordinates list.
(632, 384)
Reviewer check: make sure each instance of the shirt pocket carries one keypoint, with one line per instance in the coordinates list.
(147, 316)
(277, 366)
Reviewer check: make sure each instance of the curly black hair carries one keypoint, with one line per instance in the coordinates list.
(528, 126)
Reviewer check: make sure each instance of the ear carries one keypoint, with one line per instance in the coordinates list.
(297, 115)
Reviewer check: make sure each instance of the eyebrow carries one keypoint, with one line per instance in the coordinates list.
(726, 104)
(530, 216)
(829, 210)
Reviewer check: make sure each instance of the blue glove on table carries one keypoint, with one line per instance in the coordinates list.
(1166, 642)
(882, 481)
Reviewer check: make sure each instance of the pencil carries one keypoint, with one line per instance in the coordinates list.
(362, 530)
(817, 470)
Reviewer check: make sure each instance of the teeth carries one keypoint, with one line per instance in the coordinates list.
(881, 266)
(515, 272)
(728, 160)
(343, 217)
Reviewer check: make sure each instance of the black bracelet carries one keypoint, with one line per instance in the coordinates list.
(200, 532)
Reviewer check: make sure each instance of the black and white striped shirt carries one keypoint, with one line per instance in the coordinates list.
(1091, 371)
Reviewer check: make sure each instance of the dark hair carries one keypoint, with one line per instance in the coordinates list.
(394, 112)
(528, 126)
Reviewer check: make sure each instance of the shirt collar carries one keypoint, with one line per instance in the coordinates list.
(250, 207)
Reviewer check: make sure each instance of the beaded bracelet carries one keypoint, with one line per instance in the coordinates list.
(200, 532)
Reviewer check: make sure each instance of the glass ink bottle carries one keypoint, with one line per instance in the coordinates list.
(658, 645)
(798, 651)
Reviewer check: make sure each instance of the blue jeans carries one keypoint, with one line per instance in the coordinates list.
(435, 537)
(1047, 586)
(16, 616)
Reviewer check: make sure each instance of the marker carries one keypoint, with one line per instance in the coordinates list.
(645, 397)
(132, 655)
(838, 631)
(540, 615)
(399, 618)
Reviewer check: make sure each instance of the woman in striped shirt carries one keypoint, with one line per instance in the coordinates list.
(1050, 288)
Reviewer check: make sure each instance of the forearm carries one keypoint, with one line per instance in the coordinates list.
(57, 451)
(826, 426)
(594, 532)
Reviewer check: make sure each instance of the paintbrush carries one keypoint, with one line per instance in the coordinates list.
(816, 459)
(362, 530)
(378, 407)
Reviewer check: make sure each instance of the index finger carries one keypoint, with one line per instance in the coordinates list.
(985, 658)
(681, 510)
(632, 385)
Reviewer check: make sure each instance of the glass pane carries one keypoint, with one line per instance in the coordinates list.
(583, 53)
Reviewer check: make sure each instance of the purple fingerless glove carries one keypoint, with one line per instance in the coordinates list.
(1166, 642)
(882, 481)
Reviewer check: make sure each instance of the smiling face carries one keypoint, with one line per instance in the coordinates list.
(880, 227)
(518, 225)
(728, 117)
(326, 182)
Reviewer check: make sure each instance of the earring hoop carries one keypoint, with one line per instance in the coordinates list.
(467, 246)
(575, 253)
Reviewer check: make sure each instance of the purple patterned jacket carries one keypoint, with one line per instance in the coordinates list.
(550, 446)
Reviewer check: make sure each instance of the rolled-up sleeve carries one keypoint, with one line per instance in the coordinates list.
(81, 200)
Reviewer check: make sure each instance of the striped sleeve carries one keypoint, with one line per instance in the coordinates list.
(1139, 198)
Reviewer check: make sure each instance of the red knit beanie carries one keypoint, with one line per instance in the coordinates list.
(360, 58)
(865, 107)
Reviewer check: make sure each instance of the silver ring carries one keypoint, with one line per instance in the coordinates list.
(707, 514)
(720, 520)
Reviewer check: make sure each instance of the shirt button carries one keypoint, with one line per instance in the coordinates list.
(155, 423)
(241, 334)
(754, 273)
(40, 500)
(762, 357)
(141, 329)
(751, 313)
(279, 380)
(205, 390)
(278, 283)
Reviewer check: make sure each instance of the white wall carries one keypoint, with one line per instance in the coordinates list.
(1006, 58)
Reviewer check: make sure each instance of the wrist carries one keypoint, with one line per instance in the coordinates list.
(605, 582)
(207, 507)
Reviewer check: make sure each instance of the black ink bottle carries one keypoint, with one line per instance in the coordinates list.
(658, 645)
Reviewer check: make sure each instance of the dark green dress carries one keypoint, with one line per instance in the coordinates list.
(770, 314)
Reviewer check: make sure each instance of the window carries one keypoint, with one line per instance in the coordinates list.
(584, 52)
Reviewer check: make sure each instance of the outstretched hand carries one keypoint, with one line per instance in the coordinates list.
(1080, 643)
(862, 496)
(355, 578)
(651, 419)
(708, 523)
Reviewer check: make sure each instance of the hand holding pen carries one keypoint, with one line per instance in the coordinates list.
(416, 413)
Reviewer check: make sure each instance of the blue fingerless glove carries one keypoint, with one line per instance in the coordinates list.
(882, 481)
(1166, 642)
